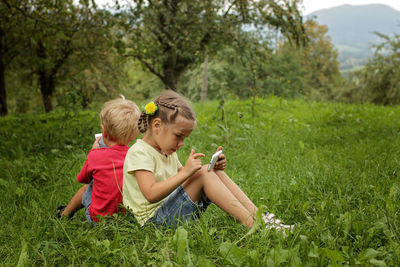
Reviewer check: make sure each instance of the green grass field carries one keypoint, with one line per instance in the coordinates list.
(330, 169)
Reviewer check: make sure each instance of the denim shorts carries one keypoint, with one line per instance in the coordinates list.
(179, 208)
(87, 200)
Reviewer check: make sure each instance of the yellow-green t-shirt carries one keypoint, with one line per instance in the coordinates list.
(142, 156)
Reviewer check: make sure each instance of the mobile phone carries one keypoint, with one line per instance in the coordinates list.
(101, 141)
(214, 159)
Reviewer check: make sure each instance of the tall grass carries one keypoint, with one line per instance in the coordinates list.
(331, 169)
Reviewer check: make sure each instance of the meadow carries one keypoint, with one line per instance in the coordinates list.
(331, 169)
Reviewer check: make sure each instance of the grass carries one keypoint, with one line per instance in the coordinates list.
(331, 169)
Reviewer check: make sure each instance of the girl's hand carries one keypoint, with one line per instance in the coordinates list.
(193, 163)
(96, 143)
(220, 165)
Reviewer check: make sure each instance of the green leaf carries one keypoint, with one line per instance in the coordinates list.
(203, 262)
(334, 255)
(368, 254)
(19, 192)
(232, 253)
(278, 255)
(314, 253)
(3, 183)
(23, 256)
(180, 239)
(301, 144)
(379, 263)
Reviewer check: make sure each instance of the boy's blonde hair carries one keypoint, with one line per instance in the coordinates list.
(119, 118)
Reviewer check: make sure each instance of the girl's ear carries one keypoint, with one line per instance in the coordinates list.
(156, 125)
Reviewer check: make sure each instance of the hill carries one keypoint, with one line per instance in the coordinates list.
(352, 29)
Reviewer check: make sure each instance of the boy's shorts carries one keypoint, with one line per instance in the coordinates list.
(179, 207)
(87, 200)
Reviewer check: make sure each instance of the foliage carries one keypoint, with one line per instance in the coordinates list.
(249, 70)
(330, 168)
(379, 81)
(241, 70)
(65, 35)
(318, 62)
(72, 55)
(169, 36)
(11, 43)
(251, 67)
(67, 53)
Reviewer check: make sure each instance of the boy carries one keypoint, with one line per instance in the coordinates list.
(102, 172)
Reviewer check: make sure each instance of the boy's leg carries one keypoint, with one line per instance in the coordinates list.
(218, 193)
(75, 203)
(237, 192)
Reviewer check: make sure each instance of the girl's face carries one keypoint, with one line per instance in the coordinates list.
(170, 137)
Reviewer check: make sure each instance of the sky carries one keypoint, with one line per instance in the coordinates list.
(313, 5)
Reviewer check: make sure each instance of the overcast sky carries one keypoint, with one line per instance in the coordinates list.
(313, 5)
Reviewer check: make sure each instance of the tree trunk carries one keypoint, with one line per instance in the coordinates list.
(204, 87)
(171, 79)
(46, 88)
(3, 92)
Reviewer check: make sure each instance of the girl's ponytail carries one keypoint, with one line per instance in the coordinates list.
(143, 122)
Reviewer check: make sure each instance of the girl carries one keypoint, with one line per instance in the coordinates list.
(158, 189)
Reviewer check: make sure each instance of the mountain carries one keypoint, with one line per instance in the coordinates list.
(352, 30)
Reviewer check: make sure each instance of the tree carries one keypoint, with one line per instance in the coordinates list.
(204, 85)
(167, 36)
(379, 80)
(318, 60)
(59, 32)
(10, 44)
(248, 67)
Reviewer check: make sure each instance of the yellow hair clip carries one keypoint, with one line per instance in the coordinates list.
(150, 108)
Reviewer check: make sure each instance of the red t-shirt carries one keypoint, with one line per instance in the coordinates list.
(105, 167)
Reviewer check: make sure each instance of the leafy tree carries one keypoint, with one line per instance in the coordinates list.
(167, 36)
(11, 32)
(248, 67)
(286, 75)
(64, 39)
(318, 61)
(95, 70)
(71, 30)
(379, 80)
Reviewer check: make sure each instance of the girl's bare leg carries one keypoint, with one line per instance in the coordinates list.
(75, 203)
(218, 193)
(237, 192)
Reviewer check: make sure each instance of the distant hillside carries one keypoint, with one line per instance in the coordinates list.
(352, 29)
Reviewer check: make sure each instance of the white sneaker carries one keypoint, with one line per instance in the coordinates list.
(273, 223)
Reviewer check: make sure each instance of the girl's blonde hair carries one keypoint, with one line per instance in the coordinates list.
(170, 104)
(119, 118)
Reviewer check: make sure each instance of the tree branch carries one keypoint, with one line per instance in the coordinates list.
(148, 66)
(7, 4)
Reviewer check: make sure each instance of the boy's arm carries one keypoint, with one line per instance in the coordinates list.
(96, 143)
(84, 176)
